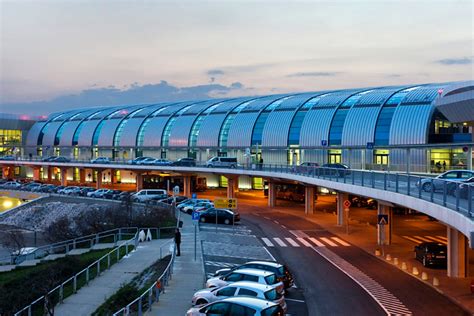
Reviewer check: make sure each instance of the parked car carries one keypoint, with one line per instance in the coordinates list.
(137, 160)
(252, 275)
(148, 161)
(98, 193)
(144, 195)
(161, 162)
(224, 162)
(198, 206)
(437, 183)
(223, 216)
(280, 270)
(61, 159)
(307, 167)
(122, 196)
(239, 305)
(101, 160)
(85, 190)
(334, 169)
(70, 190)
(110, 194)
(57, 188)
(48, 159)
(186, 162)
(242, 288)
(431, 254)
(45, 188)
(11, 185)
(179, 199)
(190, 202)
(8, 157)
(463, 185)
(30, 186)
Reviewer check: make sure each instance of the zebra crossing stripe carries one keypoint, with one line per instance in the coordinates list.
(267, 242)
(328, 241)
(292, 242)
(437, 239)
(219, 264)
(304, 242)
(279, 242)
(342, 242)
(317, 242)
(416, 241)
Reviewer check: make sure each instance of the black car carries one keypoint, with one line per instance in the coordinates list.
(122, 196)
(224, 216)
(85, 190)
(280, 270)
(432, 254)
(61, 159)
(48, 159)
(57, 188)
(187, 162)
(334, 169)
(110, 195)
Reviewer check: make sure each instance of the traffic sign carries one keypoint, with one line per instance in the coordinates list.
(382, 219)
(225, 203)
(196, 216)
(194, 196)
(347, 203)
(370, 145)
(176, 189)
(324, 143)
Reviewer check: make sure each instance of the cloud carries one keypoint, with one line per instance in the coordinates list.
(215, 72)
(314, 74)
(134, 94)
(393, 76)
(455, 61)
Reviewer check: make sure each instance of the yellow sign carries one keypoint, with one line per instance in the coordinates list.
(225, 203)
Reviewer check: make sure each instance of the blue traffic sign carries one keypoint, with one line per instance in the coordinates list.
(196, 216)
(194, 196)
(382, 219)
(324, 142)
(370, 145)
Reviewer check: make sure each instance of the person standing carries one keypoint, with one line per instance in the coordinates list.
(177, 241)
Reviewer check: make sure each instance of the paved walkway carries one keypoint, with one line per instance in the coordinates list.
(90, 297)
(188, 275)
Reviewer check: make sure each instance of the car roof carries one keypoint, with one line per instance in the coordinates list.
(254, 272)
(252, 285)
(253, 302)
(266, 263)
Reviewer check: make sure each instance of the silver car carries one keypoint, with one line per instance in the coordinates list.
(252, 275)
(242, 288)
(238, 305)
(434, 184)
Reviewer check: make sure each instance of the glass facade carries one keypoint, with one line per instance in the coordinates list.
(382, 129)
(224, 132)
(335, 133)
(95, 138)
(9, 138)
(195, 131)
(118, 133)
(262, 118)
(167, 132)
(295, 128)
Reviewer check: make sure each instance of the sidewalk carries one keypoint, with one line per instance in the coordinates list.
(91, 296)
(188, 275)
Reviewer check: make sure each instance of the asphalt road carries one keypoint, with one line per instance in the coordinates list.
(329, 291)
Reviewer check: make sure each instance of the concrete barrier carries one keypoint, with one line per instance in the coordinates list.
(388, 257)
(377, 252)
(435, 281)
(424, 276)
(395, 261)
(415, 271)
(404, 266)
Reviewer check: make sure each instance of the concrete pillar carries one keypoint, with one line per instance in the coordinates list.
(139, 182)
(6, 172)
(341, 217)
(232, 186)
(112, 177)
(457, 254)
(271, 194)
(50, 173)
(469, 158)
(309, 200)
(187, 186)
(64, 176)
(36, 173)
(82, 175)
(98, 183)
(384, 232)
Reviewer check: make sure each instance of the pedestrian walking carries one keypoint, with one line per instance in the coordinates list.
(444, 165)
(261, 163)
(177, 241)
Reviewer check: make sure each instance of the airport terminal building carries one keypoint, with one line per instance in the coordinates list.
(419, 127)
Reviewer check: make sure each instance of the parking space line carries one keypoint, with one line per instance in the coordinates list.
(292, 242)
(423, 239)
(412, 239)
(342, 242)
(304, 242)
(267, 242)
(328, 241)
(317, 242)
(279, 242)
(437, 239)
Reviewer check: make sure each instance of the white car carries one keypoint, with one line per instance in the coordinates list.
(148, 194)
(70, 190)
(11, 185)
(97, 193)
(191, 208)
(242, 288)
(239, 305)
(252, 275)
(101, 160)
(437, 183)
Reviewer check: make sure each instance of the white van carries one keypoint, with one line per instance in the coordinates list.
(145, 195)
(226, 162)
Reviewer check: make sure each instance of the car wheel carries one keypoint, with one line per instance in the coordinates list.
(202, 219)
(424, 262)
(227, 221)
(427, 187)
(201, 301)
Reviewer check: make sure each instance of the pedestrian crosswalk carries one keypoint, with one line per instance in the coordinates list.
(298, 242)
(420, 239)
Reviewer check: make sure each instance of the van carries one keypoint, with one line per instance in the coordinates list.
(226, 162)
(145, 195)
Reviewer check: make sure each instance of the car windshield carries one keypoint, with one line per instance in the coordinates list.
(436, 247)
(272, 295)
(271, 279)
(273, 311)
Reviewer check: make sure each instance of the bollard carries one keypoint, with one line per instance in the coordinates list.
(395, 261)
(435, 281)
(404, 266)
(415, 271)
(377, 252)
(424, 276)
(388, 257)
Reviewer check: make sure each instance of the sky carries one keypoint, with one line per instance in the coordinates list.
(67, 54)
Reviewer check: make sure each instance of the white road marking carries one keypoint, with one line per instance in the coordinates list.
(266, 217)
(316, 242)
(283, 226)
(304, 242)
(276, 222)
(292, 242)
(279, 242)
(267, 242)
(342, 242)
(298, 233)
(293, 300)
(271, 256)
(328, 241)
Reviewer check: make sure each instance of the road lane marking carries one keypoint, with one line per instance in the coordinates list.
(292, 242)
(276, 222)
(267, 242)
(304, 242)
(294, 300)
(328, 241)
(283, 226)
(412, 239)
(299, 233)
(342, 242)
(266, 217)
(279, 242)
(271, 256)
(316, 242)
